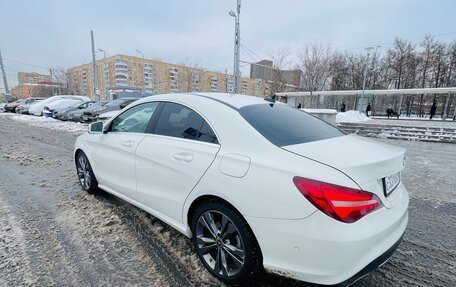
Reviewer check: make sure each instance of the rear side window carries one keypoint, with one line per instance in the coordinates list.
(283, 125)
(182, 122)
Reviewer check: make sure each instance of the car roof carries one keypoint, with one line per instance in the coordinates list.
(235, 101)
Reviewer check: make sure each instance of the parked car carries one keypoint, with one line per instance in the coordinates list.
(118, 104)
(108, 115)
(11, 107)
(255, 183)
(78, 114)
(2, 106)
(37, 108)
(23, 109)
(48, 109)
(62, 113)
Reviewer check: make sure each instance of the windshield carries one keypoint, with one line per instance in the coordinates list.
(283, 125)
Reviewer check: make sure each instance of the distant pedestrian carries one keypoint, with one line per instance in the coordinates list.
(368, 109)
(433, 108)
(343, 107)
(389, 111)
(299, 105)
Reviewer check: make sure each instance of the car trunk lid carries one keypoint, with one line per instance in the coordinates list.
(365, 161)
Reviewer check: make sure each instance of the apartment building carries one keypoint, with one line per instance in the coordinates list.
(263, 70)
(32, 78)
(153, 76)
(28, 90)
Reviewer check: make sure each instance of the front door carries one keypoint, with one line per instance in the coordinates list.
(115, 152)
(171, 160)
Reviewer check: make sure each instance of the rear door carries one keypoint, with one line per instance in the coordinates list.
(115, 151)
(173, 157)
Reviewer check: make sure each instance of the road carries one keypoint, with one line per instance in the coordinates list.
(53, 233)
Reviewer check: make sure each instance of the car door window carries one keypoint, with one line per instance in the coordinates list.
(182, 122)
(134, 120)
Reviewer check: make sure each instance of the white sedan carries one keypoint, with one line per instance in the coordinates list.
(256, 184)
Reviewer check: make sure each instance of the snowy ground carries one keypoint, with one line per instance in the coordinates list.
(410, 123)
(54, 234)
(48, 123)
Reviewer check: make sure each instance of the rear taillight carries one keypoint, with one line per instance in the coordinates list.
(342, 203)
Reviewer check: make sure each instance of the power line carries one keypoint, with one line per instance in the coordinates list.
(250, 50)
(257, 48)
(248, 53)
(27, 64)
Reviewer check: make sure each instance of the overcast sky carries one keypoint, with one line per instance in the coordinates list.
(50, 33)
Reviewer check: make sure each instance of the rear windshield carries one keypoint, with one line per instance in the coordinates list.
(283, 125)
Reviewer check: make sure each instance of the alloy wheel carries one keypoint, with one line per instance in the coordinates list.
(84, 172)
(220, 244)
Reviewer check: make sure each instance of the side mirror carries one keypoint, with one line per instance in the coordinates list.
(123, 105)
(96, 128)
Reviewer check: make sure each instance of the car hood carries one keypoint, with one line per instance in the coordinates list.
(364, 160)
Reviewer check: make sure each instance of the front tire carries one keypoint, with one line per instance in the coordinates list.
(225, 243)
(86, 176)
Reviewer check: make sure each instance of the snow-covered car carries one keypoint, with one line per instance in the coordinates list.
(11, 107)
(37, 108)
(23, 109)
(255, 183)
(62, 113)
(48, 109)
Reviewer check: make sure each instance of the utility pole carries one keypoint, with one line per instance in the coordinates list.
(95, 90)
(105, 79)
(5, 82)
(237, 44)
(226, 81)
(51, 82)
(144, 70)
(368, 49)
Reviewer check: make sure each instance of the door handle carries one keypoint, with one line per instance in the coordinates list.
(128, 143)
(188, 157)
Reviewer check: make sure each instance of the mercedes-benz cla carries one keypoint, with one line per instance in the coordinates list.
(256, 184)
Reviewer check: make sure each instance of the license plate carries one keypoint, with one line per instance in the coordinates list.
(391, 182)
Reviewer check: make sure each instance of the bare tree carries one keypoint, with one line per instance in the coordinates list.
(59, 77)
(190, 75)
(281, 61)
(315, 62)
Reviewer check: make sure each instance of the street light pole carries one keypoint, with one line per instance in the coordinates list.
(95, 88)
(5, 81)
(104, 73)
(237, 44)
(144, 78)
(368, 50)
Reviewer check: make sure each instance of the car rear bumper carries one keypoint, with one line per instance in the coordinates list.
(319, 249)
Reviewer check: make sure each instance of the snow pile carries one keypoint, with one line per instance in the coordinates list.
(351, 117)
(49, 123)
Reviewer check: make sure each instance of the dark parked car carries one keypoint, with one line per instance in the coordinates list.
(78, 114)
(62, 114)
(11, 107)
(118, 104)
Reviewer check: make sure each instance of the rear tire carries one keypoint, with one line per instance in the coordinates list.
(225, 243)
(85, 173)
